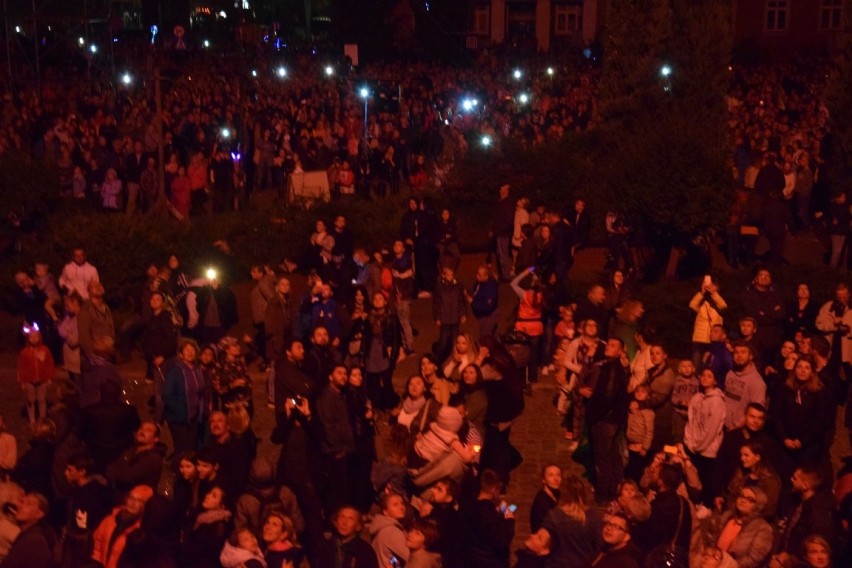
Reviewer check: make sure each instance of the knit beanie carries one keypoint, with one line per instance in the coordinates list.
(449, 419)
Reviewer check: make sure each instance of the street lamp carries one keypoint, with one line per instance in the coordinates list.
(364, 93)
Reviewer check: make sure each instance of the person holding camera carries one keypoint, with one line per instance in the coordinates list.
(707, 305)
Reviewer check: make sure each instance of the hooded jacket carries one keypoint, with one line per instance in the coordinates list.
(388, 539)
(706, 420)
(234, 557)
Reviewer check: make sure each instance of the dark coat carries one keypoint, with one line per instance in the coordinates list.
(134, 468)
(33, 548)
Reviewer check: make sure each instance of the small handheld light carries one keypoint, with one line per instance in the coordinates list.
(211, 274)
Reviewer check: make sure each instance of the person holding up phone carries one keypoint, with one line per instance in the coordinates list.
(707, 305)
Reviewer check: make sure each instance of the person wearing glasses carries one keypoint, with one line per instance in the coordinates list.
(741, 531)
(618, 551)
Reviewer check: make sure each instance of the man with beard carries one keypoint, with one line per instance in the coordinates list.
(320, 358)
(743, 385)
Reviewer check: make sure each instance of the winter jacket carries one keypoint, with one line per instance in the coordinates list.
(448, 302)
(706, 421)
(706, 306)
(484, 298)
(183, 394)
(752, 545)
(640, 426)
(33, 548)
(134, 468)
(333, 414)
(388, 539)
(160, 336)
(108, 546)
(661, 382)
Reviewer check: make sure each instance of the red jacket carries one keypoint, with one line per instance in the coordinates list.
(35, 364)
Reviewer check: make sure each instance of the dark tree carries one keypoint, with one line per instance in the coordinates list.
(839, 101)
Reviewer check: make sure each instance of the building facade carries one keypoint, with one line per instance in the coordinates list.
(545, 25)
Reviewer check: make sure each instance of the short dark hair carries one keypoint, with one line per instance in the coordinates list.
(671, 475)
(757, 406)
(430, 531)
(813, 474)
(207, 455)
(490, 481)
(81, 461)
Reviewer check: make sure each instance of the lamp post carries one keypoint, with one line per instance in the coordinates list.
(364, 93)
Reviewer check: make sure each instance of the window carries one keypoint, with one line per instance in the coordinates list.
(567, 19)
(776, 15)
(829, 15)
(480, 20)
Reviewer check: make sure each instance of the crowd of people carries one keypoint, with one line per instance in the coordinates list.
(720, 459)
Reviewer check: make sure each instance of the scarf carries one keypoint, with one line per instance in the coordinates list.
(413, 406)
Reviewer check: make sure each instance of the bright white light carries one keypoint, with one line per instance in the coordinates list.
(281, 71)
(517, 74)
(226, 133)
(206, 43)
(222, 14)
(550, 71)
(364, 92)
(211, 274)
(17, 29)
(93, 48)
(524, 98)
(467, 104)
(254, 73)
(329, 70)
(475, 102)
(81, 41)
(126, 79)
(447, 121)
(486, 140)
(665, 70)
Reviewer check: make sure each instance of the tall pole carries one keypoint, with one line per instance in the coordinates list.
(161, 166)
(35, 41)
(8, 45)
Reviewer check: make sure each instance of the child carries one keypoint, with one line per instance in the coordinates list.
(566, 328)
(640, 432)
(685, 387)
(35, 371)
(242, 551)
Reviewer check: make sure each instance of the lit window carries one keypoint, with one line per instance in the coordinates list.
(830, 14)
(776, 15)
